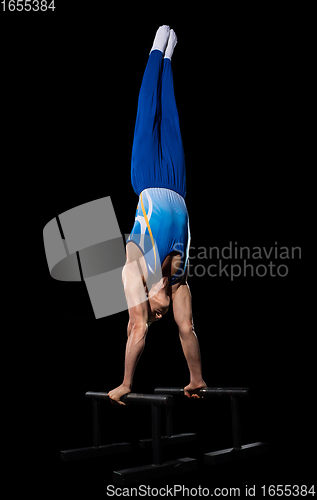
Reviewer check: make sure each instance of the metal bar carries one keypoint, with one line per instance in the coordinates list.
(189, 437)
(235, 418)
(108, 449)
(247, 450)
(156, 434)
(206, 392)
(134, 398)
(169, 420)
(147, 472)
(96, 423)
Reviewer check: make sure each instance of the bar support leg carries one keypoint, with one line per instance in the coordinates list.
(96, 423)
(157, 469)
(236, 429)
(96, 450)
(170, 439)
(169, 421)
(156, 434)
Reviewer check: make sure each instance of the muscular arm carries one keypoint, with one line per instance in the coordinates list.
(138, 317)
(182, 309)
(137, 327)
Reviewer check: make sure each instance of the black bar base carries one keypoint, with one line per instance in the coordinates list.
(221, 456)
(145, 472)
(108, 449)
(187, 437)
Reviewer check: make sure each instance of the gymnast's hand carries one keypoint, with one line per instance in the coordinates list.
(117, 393)
(192, 390)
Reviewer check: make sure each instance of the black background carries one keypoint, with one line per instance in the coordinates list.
(71, 80)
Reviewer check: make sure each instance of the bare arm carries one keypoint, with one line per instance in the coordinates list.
(137, 327)
(182, 309)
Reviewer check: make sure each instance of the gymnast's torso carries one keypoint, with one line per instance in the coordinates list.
(161, 229)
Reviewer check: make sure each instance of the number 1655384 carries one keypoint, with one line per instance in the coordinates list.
(28, 5)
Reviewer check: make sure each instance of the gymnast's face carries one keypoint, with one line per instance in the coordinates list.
(158, 305)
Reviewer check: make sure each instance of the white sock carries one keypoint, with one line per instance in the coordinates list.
(172, 41)
(161, 38)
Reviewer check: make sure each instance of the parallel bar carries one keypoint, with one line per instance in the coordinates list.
(134, 398)
(217, 457)
(236, 429)
(108, 449)
(143, 473)
(207, 392)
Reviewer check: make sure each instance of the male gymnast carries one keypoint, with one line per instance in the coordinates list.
(157, 249)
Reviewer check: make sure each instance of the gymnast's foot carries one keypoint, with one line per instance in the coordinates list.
(191, 390)
(161, 38)
(172, 41)
(117, 393)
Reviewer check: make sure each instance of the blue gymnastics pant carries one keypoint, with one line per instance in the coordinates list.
(157, 154)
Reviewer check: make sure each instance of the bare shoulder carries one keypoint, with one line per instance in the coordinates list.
(134, 254)
(180, 286)
(133, 284)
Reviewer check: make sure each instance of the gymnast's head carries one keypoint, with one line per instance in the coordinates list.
(158, 301)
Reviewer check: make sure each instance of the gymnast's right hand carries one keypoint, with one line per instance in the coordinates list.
(117, 393)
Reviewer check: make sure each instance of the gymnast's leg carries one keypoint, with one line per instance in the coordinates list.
(171, 139)
(145, 149)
